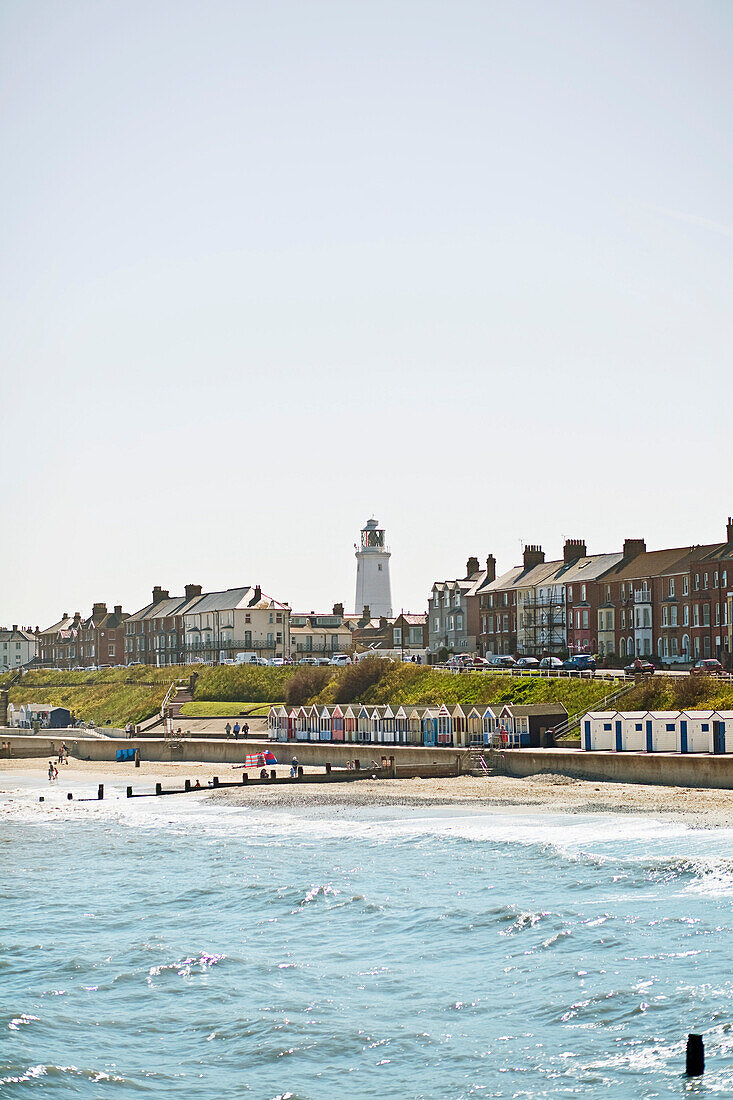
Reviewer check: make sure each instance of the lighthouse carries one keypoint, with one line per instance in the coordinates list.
(373, 589)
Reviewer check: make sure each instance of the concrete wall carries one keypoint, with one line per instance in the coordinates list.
(628, 767)
(227, 752)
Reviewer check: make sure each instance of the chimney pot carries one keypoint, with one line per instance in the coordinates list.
(15, 627)
(634, 547)
(574, 550)
(471, 567)
(192, 590)
(533, 555)
(491, 568)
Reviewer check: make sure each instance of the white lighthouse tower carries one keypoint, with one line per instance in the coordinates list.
(373, 589)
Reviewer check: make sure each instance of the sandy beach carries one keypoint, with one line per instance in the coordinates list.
(541, 792)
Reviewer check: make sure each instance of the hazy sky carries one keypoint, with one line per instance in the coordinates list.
(271, 267)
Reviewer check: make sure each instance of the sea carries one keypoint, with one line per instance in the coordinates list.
(185, 948)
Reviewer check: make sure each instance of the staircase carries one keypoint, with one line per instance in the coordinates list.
(477, 762)
(573, 721)
(182, 694)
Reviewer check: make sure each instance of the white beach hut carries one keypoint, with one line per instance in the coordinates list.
(633, 730)
(664, 728)
(600, 731)
(696, 730)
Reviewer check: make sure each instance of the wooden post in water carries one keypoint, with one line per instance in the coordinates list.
(100, 791)
(245, 778)
(273, 774)
(187, 785)
(695, 1066)
(137, 758)
(300, 771)
(215, 781)
(69, 796)
(158, 788)
(129, 792)
(328, 769)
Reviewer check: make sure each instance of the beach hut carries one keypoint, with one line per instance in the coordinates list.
(337, 724)
(272, 722)
(387, 726)
(445, 726)
(314, 723)
(696, 730)
(292, 723)
(723, 731)
(301, 725)
(489, 724)
(529, 724)
(429, 726)
(633, 730)
(474, 727)
(282, 723)
(363, 725)
(324, 725)
(349, 725)
(414, 727)
(662, 731)
(400, 726)
(458, 717)
(601, 731)
(375, 725)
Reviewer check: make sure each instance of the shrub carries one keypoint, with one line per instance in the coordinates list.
(354, 680)
(304, 684)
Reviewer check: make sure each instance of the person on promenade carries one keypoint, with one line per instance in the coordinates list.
(64, 754)
(52, 771)
(236, 731)
(228, 729)
(128, 730)
(294, 767)
(245, 730)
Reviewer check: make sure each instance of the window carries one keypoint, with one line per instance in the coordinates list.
(570, 593)
(506, 622)
(665, 616)
(697, 582)
(608, 593)
(696, 614)
(506, 599)
(669, 727)
(623, 591)
(715, 580)
(436, 625)
(705, 727)
(706, 614)
(379, 567)
(270, 618)
(671, 586)
(397, 635)
(686, 615)
(717, 614)
(270, 639)
(582, 592)
(436, 600)
(638, 727)
(673, 615)
(607, 726)
(111, 650)
(600, 620)
(705, 580)
(247, 617)
(459, 622)
(450, 622)
(623, 618)
(585, 620)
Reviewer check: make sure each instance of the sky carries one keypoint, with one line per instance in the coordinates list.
(269, 269)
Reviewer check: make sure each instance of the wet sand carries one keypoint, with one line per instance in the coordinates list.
(542, 792)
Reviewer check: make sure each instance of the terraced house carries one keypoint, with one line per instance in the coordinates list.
(453, 612)
(18, 647)
(207, 627)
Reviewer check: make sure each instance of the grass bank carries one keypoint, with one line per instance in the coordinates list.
(198, 709)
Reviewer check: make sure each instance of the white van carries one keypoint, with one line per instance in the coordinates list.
(247, 659)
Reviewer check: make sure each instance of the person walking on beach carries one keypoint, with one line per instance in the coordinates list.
(245, 730)
(64, 754)
(228, 729)
(52, 771)
(294, 767)
(236, 731)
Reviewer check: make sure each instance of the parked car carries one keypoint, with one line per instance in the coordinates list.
(640, 668)
(307, 661)
(503, 660)
(709, 666)
(527, 663)
(550, 662)
(340, 659)
(277, 662)
(581, 662)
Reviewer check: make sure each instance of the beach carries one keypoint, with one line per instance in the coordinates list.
(702, 808)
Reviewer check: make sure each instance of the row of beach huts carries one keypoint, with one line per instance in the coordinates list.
(511, 725)
(708, 731)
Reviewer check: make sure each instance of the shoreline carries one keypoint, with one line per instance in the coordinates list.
(22, 781)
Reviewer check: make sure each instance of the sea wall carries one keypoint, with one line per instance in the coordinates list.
(309, 753)
(663, 769)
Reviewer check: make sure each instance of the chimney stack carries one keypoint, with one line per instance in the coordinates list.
(490, 568)
(256, 597)
(192, 590)
(118, 609)
(729, 532)
(99, 610)
(533, 555)
(574, 550)
(160, 594)
(367, 612)
(634, 547)
(338, 609)
(383, 622)
(15, 628)
(471, 567)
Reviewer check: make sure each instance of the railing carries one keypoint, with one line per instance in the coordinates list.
(550, 673)
(642, 595)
